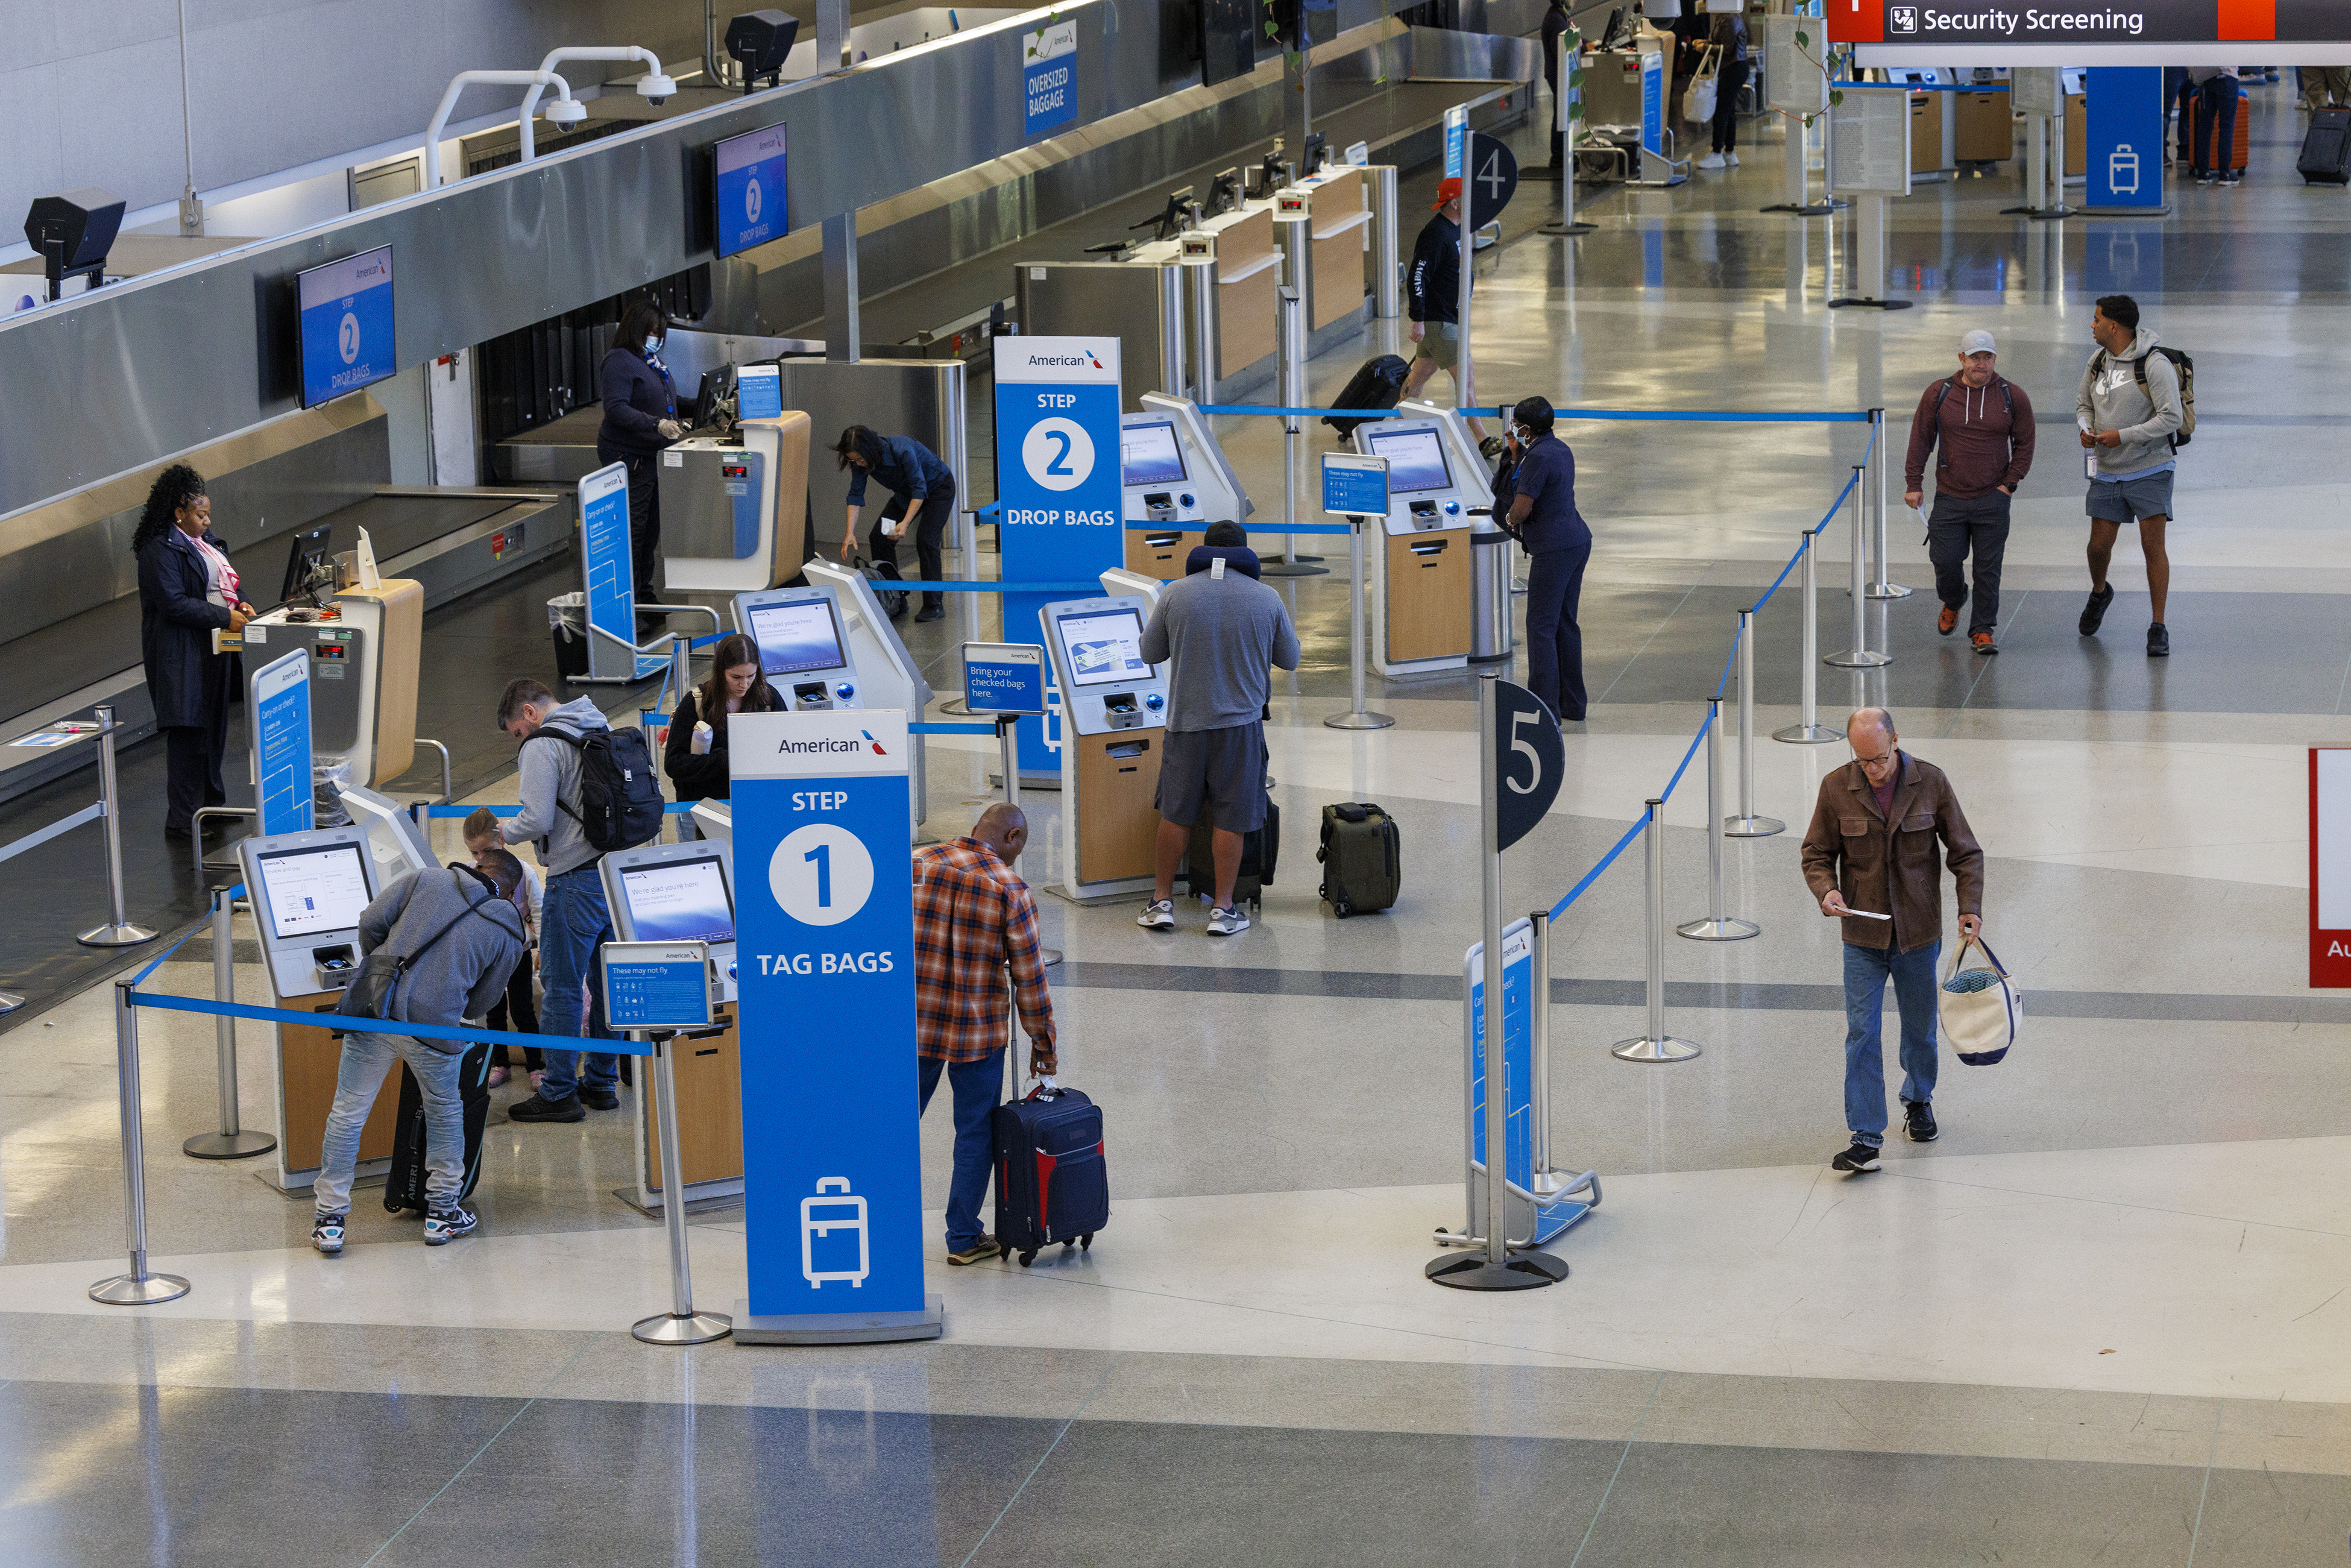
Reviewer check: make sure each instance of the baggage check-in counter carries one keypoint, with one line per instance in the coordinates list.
(364, 643)
(1337, 233)
(734, 507)
(686, 892)
(1421, 587)
(308, 891)
(1178, 479)
(1114, 724)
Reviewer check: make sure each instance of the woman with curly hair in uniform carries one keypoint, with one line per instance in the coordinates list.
(187, 590)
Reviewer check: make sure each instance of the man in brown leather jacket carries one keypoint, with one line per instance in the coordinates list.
(1870, 853)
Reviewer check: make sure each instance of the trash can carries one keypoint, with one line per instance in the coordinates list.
(1489, 576)
(567, 621)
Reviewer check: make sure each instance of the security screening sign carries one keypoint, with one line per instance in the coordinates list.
(825, 976)
(2082, 32)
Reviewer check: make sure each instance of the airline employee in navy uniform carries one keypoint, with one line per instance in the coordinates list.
(921, 490)
(1559, 547)
(640, 419)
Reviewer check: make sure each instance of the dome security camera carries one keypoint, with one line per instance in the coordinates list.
(655, 88)
(566, 111)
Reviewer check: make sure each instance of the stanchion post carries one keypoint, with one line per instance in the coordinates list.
(1656, 1045)
(1858, 657)
(1716, 926)
(1879, 588)
(1747, 824)
(230, 1143)
(138, 1288)
(1808, 729)
(118, 932)
(1356, 717)
(1006, 726)
(681, 1324)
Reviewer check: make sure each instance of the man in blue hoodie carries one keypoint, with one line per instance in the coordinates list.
(573, 920)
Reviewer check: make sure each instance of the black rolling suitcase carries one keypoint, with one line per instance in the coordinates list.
(1051, 1182)
(1377, 385)
(403, 1185)
(1362, 856)
(2327, 149)
(1260, 853)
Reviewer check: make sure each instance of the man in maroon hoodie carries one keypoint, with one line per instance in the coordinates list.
(1983, 425)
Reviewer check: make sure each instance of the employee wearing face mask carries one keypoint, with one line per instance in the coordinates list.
(640, 419)
(1536, 503)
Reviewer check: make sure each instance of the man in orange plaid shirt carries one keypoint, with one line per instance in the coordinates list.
(973, 915)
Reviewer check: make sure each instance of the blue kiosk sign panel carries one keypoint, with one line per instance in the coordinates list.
(279, 695)
(1518, 1060)
(831, 1168)
(1057, 480)
(751, 190)
(346, 326)
(1049, 73)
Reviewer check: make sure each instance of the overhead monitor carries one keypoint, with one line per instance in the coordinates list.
(1103, 647)
(313, 892)
(797, 637)
(1415, 458)
(1150, 453)
(346, 326)
(749, 189)
(679, 900)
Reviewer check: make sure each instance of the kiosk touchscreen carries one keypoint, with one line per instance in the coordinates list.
(1178, 479)
(1420, 576)
(1472, 471)
(1114, 721)
(803, 648)
(686, 892)
(395, 843)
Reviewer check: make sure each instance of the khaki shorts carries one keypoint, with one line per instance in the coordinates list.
(1441, 343)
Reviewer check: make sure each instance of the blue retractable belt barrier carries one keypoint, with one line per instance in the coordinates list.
(343, 1023)
(674, 807)
(929, 728)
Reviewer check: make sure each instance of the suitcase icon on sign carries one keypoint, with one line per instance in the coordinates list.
(2122, 170)
(832, 1212)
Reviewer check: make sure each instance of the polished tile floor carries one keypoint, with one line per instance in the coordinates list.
(2102, 1320)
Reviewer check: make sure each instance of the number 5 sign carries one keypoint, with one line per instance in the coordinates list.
(1528, 758)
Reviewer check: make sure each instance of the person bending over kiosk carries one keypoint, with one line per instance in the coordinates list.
(457, 936)
(695, 755)
(574, 921)
(187, 590)
(640, 419)
(1541, 511)
(1217, 631)
(519, 1013)
(974, 917)
(923, 492)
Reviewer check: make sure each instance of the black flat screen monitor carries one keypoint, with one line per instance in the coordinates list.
(1104, 646)
(1416, 459)
(679, 900)
(1150, 453)
(310, 566)
(797, 637)
(314, 892)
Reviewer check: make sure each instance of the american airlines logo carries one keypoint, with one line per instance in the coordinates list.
(818, 744)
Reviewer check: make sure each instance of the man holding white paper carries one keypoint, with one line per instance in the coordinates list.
(1869, 858)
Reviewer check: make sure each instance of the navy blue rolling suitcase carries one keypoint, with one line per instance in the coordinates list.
(1051, 1182)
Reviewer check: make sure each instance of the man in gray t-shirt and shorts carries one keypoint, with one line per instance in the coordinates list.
(1219, 631)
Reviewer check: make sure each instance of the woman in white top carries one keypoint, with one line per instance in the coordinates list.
(187, 591)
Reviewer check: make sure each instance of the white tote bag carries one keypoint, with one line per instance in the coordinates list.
(1699, 108)
(1980, 1008)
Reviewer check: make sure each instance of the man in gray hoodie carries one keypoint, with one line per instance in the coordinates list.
(573, 921)
(459, 927)
(2130, 407)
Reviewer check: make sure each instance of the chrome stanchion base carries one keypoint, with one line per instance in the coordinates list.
(1723, 930)
(10, 1001)
(1864, 660)
(1752, 826)
(1555, 228)
(1887, 591)
(668, 1328)
(1291, 569)
(228, 1145)
(123, 1291)
(1366, 720)
(1647, 1049)
(1808, 735)
(124, 935)
(1049, 956)
(1528, 1271)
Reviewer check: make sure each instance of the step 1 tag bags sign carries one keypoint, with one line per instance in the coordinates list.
(1980, 1008)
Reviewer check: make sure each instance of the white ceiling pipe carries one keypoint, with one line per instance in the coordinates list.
(565, 110)
(653, 85)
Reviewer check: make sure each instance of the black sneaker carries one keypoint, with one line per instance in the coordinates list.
(2094, 614)
(930, 612)
(2159, 642)
(540, 1109)
(599, 1098)
(1860, 1157)
(1920, 1117)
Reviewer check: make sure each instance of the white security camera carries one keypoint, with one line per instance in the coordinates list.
(655, 88)
(566, 111)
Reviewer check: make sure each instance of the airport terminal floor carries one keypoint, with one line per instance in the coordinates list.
(2102, 1320)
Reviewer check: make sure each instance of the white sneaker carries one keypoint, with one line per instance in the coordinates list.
(1712, 161)
(1228, 922)
(1731, 159)
(327, 1233)
(1159, 916)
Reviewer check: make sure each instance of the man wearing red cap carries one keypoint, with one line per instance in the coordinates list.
(1433, 286)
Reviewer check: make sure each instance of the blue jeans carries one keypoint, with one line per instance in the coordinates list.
(976, 1087)
(1555, 641)
(573, 927)
(366, 1059)
(1866, 970)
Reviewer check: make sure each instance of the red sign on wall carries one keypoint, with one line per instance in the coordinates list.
(2330, 867)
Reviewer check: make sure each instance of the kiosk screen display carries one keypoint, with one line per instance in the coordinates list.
(679, 900)
(1103, 647)
(793, 638)
(1150, 455)
(314, 891)
(1416, 460)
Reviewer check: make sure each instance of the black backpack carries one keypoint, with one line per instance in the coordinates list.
(2181, 363)
(619, 797)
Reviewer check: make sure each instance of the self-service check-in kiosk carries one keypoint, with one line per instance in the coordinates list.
(804, 648)
(735, 504)
(1178, 479)
(1113, 726)
(1421, 587)
(308, 891)
(395, 843)
(686, 892)
(363, 643)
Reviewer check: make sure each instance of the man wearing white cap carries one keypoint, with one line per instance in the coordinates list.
(1982, 426)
